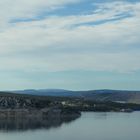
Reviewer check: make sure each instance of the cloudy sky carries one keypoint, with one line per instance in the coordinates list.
(70, 44)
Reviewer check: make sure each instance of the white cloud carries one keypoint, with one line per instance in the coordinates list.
(10, 10)
(56, 44)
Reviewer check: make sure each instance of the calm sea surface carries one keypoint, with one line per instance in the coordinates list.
(90, 126)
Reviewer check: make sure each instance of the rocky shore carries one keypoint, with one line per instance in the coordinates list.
(14, 106)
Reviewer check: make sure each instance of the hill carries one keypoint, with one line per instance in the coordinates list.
(70, 103)
(122, 96)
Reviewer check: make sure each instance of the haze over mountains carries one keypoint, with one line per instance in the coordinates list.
(122, 96)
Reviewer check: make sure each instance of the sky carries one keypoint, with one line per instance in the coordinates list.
(70, 44)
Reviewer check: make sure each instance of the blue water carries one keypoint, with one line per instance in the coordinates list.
(90, 126)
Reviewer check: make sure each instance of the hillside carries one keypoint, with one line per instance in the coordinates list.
(66, 105)
(96, 95)
(113, 95)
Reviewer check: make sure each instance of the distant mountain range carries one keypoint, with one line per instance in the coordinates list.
(122, 96)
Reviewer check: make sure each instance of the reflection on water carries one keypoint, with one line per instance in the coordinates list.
(28, 123)
(90, 126)
(105, 115)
